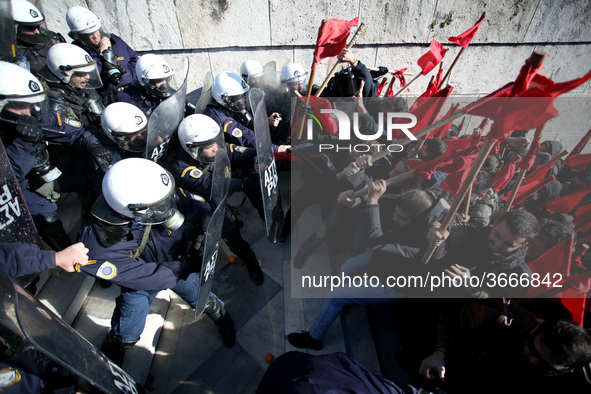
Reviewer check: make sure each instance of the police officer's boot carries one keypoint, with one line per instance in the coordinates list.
(222, 320)
(51, 229)
(114, 347)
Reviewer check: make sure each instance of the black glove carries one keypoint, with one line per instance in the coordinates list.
(29, 129)
(102, 157)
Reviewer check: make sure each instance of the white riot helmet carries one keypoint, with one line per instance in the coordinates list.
(82, 21)
(154, 73)
(25, 13)
(19, 89)
(252, 72)
(126, 125)
(229, 90)
(66, 61)
(198, 132)
(294, 76)
(141, 190)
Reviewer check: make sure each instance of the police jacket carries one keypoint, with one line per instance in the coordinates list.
(76, 104)
(197, 178)
(134, 93)
(36, 53)
(234, 131)
(159, 266)
(18, 259)
(126, 57)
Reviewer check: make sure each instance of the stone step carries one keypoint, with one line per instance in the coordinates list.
(65, 294)
(94, 322)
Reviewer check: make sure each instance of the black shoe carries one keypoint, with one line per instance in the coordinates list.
(226, 329)
(255, 272)
(281, 239)
(303, 340)
(299, 260)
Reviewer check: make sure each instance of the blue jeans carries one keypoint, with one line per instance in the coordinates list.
(132, 307)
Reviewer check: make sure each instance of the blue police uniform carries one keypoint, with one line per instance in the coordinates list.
(159, 266)
(134, 93)
(18, 259)
(234, 131)
(126, 57)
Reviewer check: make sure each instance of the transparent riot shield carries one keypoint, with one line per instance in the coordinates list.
(7, 32)
(205, 97)
(267, 168)
(222, 174)
(16, 224)
(30, 322)
(164, 121)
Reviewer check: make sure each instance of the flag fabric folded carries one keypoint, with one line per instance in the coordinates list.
(466, 37)
(554, 263)
(578, 162)
(566, 203)
(502, 179)
(442, 131)
(528, 160)
(381, 86)
(431, 59)
(332, 37)
(582, 220)
(529, 186)
(451, 161)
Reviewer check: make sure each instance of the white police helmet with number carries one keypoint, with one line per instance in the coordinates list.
(25, 13)
(68, 60)
(154, 73)
(141, 190)
(126, 125)
(229, 90)
(19, 89)
(81, 20)
(198, 132)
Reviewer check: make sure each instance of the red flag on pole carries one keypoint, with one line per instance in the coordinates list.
(325, 122)
(529, 186)
(381, 86)
(567, 203)
(453, 182)
(583, 219)
(332, 37)
(528, 160)
(575, 304)
(431, 59)
(451, 161)
(578, 162)
(464, 39)
(554, 262)
(502, 179)
(581, 144)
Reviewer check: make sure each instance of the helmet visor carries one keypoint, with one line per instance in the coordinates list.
(237, 103)
(155, 213)
(83, 76)
(160, 87)
(132, 142)
(29, 105)
(205, 151)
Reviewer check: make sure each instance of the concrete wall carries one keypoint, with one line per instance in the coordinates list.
(218, 35)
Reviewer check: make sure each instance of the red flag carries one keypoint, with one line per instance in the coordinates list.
(529, 186)
(565, 204)
(324, 121)
(332, 37)
(451, 161)
(464, 39)
(574, 304)
(502, 179)
(528, 160)
(555, 261)
(460, 143)
(431, 59)
(578, 162)
(581, 144)
(453, 182)
(442, 131)
(583, 219)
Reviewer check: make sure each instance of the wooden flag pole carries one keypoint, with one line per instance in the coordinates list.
(307, 100)
(467, 200)
(451, 68)
(407, 85)
(395, 180)
(356, 36)
(487, 146)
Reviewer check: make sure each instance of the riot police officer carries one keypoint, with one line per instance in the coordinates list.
(135, 240)
(33, 41)
(115, 59)
(199, 138)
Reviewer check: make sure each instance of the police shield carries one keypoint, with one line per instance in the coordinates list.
(205, 97)
(222, 175)
(267, 167)
(164, 121)
(7, 32)
(24, 321)
(16, 224)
